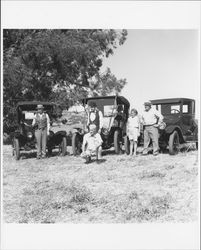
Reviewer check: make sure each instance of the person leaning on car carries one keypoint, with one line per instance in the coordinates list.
(95, 116)
(151, 118)
(41, 123)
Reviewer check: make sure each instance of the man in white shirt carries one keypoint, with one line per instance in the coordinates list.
(92, 144)
(41, 122)
(95, 116)
(151, 118)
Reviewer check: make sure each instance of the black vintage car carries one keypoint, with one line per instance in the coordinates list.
(181, 125)
(115, 111)
(24, 138)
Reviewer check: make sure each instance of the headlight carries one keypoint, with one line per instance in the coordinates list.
(162, 125)
(105, 131)
(29, 135)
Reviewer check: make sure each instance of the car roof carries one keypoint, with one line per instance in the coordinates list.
(120, 99)
(170, 100)
(30, 105)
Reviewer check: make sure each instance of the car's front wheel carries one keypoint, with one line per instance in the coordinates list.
(117, 142)
(63, 146)
(16, 149)
(174, 143)
(76, 144)
(127, 145)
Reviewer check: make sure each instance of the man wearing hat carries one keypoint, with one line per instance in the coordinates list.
(95, 116)
(150, 120)
(41, 122)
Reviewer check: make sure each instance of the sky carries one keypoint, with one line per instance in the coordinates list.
(157, 64)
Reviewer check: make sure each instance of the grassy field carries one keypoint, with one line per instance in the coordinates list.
(121, 189)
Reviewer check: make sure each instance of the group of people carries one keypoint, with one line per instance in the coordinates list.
(150, 119)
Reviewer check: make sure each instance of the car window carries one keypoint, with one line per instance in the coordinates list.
(175, 109)
(29, 115)
(186, 109)
(167, 109)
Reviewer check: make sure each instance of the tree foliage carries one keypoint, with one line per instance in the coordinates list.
(57, 65)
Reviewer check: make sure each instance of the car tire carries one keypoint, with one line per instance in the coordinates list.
(49, 151)
(163, 149)
(76, 144)
(127, 145)
(63, 146)
(117, 142)
(196, 144)
(174, 143)
(16, 149)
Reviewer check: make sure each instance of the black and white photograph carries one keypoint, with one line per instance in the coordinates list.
(100, 126)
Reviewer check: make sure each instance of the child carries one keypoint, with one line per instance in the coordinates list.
(133, 130)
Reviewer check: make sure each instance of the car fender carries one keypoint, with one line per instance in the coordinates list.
(61, 133)
(78, 130)
(171, 128)
(56, 139)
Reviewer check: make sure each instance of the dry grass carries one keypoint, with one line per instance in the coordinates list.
(120, 190)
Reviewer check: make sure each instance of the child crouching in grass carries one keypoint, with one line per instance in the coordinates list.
(133, 130)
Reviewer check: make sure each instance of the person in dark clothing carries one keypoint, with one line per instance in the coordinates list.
(41, 122)
(95, 116)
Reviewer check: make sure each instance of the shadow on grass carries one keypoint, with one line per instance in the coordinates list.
(28, 155)
(100, 161)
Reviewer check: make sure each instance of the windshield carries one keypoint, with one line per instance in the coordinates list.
(109, 110)
(104, 105)
(28, 115)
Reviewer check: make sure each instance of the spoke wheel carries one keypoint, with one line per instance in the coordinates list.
(63, 146)
(76, 144)
(117, 142)
(174, 143)
(16, 150)
(127, 145)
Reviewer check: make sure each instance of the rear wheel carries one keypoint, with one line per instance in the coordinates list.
(127, 145)
(63, 146)
(117, 142)
(76, 144)
(174, 143)
(16, 149)
(49, 151)
(196, 144)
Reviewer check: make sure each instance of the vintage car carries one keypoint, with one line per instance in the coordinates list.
(181, 125)
(115, 110)
(24, 138)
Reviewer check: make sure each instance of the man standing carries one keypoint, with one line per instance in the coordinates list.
(41, 122)
(151, 118)
(95, 116)
(92, 144)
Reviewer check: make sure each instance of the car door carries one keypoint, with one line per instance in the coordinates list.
(187, 119)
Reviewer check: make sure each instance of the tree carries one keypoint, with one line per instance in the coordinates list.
(57, 64)
(107, 83)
